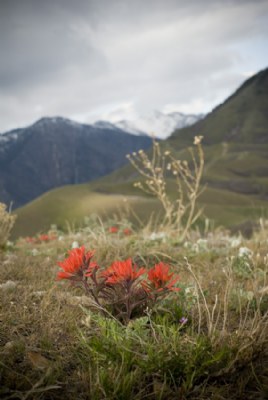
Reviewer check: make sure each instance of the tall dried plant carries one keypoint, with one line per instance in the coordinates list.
(6, 223)
(181, 212)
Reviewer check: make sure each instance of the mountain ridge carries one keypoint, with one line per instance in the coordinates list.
(241, 118)
(55, 151)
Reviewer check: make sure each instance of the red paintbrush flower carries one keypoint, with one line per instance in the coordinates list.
(122, 272)
(46, 238)
(93, 267)
(160, 278)
(30, 239)
(127, 231)
(113, 229)
(77, 264)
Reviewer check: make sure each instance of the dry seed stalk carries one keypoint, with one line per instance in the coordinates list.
(6, 223)
(187, 183)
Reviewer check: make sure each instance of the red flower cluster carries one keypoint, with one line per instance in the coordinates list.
(40, 239)
(77, 265)
(160, 278)
(115, 229)
(46, 238)
(29, 239)
(122, 271)
(119, 287)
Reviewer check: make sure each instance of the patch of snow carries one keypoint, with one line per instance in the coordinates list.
(158, 124)
(105, 125)
(57, 120)
(8, 137)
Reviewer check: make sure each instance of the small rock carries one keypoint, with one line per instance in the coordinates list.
(38, 361)
(8, 285)
(9, 346)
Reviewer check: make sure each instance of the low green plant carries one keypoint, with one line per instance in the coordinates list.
(242, 266)
(151, 357)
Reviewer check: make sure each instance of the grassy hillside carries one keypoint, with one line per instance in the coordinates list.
(242, 118)
(70, 205)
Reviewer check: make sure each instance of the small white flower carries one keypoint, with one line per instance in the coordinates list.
(187, 245)
(75, 245)
(195, 248)
(198, 139)
(86, 321)
(157, 235)
(202, 244)
(235, 242)
(245, 252)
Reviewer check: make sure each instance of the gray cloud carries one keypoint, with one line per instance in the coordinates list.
(90, 57)
(42, 43)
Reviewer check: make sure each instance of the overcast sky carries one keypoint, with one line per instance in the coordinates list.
(111, 59)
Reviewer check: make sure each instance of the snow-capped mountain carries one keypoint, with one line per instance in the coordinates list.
(157, 123)
(57, 151)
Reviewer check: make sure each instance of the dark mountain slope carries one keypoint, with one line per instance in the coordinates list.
(55, 152)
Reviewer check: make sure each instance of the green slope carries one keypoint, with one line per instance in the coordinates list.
(69, 205)
(242, 118)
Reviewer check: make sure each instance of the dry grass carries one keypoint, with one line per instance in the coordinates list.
(51, 348)
(6, 223)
